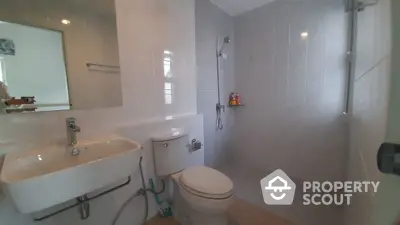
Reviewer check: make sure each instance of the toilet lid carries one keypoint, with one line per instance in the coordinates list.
(206, 182)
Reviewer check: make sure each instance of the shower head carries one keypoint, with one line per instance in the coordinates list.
(227, 40)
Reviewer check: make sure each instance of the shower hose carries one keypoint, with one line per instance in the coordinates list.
(141, 192)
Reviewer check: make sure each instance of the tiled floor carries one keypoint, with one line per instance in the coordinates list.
(244, 213)
(161, 221)
(247, 187)
(250, 209)
(240, 213)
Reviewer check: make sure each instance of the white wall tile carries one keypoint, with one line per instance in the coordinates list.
(162, 26)
(370, 106)
(145, 29)
(212, 25)
(386, 207)
(293, 88)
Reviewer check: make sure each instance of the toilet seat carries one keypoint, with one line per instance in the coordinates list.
(206, 183)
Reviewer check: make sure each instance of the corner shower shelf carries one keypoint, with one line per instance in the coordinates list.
(235, 106)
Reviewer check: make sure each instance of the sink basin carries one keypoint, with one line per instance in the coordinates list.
(41, 178)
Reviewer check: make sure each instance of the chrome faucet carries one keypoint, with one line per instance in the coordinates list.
(72, 129)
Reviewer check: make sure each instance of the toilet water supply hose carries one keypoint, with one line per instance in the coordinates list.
(141, 192)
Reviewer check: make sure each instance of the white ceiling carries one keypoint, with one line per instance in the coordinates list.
(237, 7)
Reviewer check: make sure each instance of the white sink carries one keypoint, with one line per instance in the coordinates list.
(40, 178)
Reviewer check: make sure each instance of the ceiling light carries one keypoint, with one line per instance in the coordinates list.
(304, 34)
(65, 21)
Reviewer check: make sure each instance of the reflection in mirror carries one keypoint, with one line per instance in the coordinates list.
(34, 70)
(58, 55)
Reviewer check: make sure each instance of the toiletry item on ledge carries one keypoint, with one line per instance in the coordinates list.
(23, 104)
(234, 99)
(21, 101)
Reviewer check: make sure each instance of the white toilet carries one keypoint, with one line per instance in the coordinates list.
(201, 195)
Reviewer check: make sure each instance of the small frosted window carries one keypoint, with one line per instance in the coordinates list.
(168, 93)
(167, 86)
(167, 63)
(168, 99)
(168, 59)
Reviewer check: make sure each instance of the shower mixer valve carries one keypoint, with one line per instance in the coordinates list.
(220, 107)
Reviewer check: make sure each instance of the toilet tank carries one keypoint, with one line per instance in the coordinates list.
(171, 154)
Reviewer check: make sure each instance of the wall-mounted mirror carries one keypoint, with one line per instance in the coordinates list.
(58, 55)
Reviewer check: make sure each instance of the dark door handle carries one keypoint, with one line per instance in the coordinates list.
(388, 158)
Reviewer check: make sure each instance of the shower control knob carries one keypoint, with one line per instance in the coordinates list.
(166, 145)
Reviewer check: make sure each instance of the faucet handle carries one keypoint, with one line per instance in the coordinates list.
(71, 121)
(76, 129)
